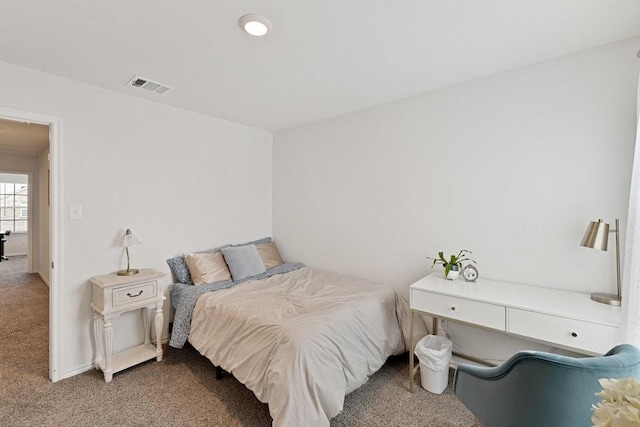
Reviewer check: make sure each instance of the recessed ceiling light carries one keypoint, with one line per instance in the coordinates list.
(256, 25)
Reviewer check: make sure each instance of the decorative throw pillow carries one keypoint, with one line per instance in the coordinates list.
(180, 269)
(243, 261)
(207, 267)
(269, 254)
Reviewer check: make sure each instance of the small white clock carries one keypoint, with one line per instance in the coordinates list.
(470, 273)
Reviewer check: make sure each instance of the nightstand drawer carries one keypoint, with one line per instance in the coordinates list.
(134, 293)
(591, 337)
(469, 311)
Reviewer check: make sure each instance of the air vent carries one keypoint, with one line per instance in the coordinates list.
(150, 85)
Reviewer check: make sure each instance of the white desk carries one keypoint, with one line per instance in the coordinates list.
(564, 319)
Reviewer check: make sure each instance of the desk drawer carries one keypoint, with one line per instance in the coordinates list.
(134, 293)
(578, 334)
(465, 310)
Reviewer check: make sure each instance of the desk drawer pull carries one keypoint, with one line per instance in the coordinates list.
(573, 334)
(453, 308)
(136, 295)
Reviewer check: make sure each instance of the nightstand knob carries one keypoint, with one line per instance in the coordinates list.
(573, 334)
(453, 308)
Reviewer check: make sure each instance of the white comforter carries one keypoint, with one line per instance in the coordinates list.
(300, 341)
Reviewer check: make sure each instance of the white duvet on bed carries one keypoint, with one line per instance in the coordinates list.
(300, 341)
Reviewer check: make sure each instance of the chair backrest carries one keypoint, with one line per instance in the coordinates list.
(541, 389)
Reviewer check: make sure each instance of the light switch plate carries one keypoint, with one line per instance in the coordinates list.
(75, 212)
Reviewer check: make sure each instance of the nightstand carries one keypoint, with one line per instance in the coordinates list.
(114, 295)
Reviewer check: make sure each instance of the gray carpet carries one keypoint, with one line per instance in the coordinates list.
(180, 390)
(13, 265)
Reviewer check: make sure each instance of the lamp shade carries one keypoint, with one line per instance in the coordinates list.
(596, 236)
(129, 239)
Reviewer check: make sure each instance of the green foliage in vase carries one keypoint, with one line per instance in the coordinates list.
(452, 261)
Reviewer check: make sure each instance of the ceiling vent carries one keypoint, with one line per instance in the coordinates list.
(150, 85)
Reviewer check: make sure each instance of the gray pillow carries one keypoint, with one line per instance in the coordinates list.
(243, 261)
(179, 267)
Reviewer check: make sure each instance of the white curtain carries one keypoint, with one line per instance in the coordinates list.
(630, 325)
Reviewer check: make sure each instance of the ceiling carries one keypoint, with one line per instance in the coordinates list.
(23, 138)
(322, 59)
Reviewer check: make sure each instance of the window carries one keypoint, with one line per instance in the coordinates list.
(14, 206)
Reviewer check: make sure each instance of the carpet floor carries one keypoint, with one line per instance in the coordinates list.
(180, 390)
(13, 265)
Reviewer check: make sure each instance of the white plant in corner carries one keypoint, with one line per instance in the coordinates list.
(620, 406)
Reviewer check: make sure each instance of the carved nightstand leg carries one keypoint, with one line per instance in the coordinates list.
(108, 348)
(98, 340)
(158, 321)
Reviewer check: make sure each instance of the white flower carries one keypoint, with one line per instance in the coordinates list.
(620, 406)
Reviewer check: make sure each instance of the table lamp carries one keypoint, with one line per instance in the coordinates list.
(129, 240)
(597, 237)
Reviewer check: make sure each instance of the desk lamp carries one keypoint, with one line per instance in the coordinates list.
(596, 237)
(129, 240)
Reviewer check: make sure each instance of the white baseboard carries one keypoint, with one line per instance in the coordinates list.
(44, 279)
(77, 371)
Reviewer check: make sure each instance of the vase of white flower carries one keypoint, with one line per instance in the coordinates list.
(620, 404)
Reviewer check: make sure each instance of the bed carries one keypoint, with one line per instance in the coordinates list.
(298, 337)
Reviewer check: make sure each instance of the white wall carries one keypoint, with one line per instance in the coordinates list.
(511, 167)
(17, 243)
(181, 181)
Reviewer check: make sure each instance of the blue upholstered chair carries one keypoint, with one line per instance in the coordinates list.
(541, 389)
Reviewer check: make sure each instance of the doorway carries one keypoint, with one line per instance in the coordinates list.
(42, 213)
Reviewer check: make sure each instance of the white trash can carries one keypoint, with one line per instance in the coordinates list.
(434, 354)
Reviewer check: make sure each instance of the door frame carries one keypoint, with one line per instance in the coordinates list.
(55, 229)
